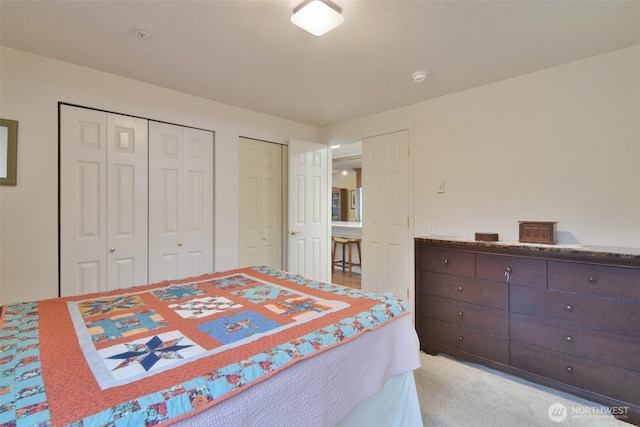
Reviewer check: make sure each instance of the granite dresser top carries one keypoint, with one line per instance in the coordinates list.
(632, 254)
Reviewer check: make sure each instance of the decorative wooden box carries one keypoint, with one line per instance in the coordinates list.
(537, 232)
(487, 237)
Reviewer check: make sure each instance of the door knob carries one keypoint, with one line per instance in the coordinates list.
(112, 250)
(295, 232)
(179, 244)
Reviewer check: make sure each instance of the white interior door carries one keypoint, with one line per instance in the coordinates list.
(103, 201)
(309, 210)
(83, 201)
(197, 227)
(166, 157)
(180, 202)
(385, 229)
(127, 186)
(260, 224)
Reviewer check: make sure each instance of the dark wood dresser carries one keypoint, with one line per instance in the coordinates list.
(559, 316)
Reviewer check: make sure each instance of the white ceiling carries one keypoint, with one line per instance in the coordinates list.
(248, 54)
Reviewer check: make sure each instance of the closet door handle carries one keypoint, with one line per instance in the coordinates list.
(179, 244)
(112, 250)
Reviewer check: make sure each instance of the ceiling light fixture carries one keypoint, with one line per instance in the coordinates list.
(317, 16)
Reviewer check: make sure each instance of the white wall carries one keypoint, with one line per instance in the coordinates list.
(562, 144)
(31, 87)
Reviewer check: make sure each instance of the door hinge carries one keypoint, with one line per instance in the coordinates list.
(407, 221)
(408, 150)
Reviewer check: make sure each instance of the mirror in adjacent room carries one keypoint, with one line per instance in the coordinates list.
(346, 214)
(8, 151)
(346, 183)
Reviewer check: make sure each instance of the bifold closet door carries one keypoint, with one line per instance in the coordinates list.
(103, 201)
(260, 221)
(180, 202)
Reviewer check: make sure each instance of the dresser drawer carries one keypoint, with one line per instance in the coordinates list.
(471, 316)
(600, 280)
(513, 270)
(444, 336)
(449, 262)
(617, 383)
(614, 349)
(615, 316)
(466, 289)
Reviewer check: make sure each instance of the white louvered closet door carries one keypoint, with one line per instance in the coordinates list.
(103, 201)
(180, 202)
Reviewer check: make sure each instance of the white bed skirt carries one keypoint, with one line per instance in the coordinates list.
(397, 405)
(341, 385)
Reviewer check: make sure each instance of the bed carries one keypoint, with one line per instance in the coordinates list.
(252, 346)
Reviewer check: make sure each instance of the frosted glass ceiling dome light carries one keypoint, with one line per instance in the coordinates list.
(317, 16)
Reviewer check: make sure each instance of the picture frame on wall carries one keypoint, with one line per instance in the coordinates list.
(8, 151)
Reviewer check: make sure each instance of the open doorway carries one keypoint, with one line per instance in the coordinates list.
(346, 214)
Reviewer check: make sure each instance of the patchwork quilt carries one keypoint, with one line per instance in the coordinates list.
(155, 354)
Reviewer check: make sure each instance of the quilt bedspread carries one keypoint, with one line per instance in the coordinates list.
(152, 355)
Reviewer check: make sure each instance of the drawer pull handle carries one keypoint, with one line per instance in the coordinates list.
(568, 307)
(461, 314)
(592, 280)
(569, 338)
(460, 338)
(446, 261)
(460, 288)
(507, 273)
(570, 369)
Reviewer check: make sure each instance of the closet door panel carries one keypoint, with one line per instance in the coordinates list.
(82, 201)
(250, 232)
(260, 176)
(180, 202)
(127, 185)
(271, 202)
(136, 201)
(165, 201)
(198, 201)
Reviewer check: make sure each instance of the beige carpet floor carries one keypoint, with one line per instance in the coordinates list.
(454, 393)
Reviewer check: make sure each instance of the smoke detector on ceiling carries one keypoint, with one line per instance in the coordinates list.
(419, 76)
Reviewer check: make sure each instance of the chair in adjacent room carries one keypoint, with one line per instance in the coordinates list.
(347, 253)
